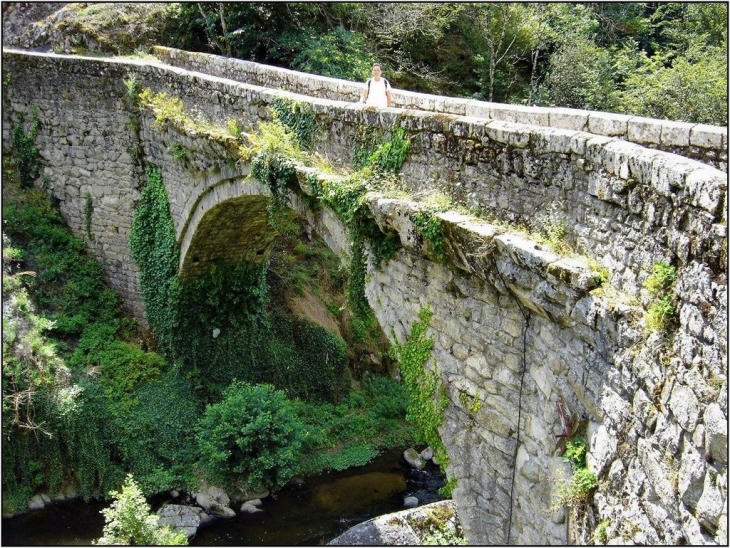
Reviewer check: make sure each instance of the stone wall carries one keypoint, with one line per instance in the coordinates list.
(515, 325)
(699, 141)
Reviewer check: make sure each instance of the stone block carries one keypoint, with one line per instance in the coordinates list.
(675, 133)
(609, 124)
(644, 130)
(711, 504)
(649, 459)
(715, 423)
(601, 447)
(706, 136)
(691, 476)
(685, 406)
(568, 118)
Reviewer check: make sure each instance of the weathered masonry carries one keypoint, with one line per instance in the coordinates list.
(516, 327)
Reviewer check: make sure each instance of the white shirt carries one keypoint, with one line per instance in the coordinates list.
(376, 95)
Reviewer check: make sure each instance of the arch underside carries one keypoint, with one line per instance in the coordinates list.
(237, 230)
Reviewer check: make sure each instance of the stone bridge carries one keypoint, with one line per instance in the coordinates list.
(516, 326)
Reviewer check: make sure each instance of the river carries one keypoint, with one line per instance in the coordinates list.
(326, 506)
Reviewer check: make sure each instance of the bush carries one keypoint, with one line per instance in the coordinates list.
(129, 521)
(252, 433)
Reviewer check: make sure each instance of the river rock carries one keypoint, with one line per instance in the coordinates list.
(182, 518)
(410, 502)
(404, 528)
(249, 508)
(214, 501)
(413, 458)
(427, 454)
(244, 494)
(36, 503)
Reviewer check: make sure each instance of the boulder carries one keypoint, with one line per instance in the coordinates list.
(182, 518)
(213, 506)
(413, 458)
(404, 528)
(214, 501)
(36, 503)
(248, 508)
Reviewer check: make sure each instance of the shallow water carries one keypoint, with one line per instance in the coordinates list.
(314, 514)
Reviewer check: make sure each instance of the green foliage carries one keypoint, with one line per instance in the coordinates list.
(337, 53)
(443, 536)
(429, 227)
(575, 452)
(69, 285)
(379, 151)
(131, 87)
(354, 431)
(278, 174)
(252, 433)
(155, 251)
(158, 442)
(426, 399)
(297, 117)
(166, 108)
(88, 212)
(660, 283)
(179, 152)
(600, 535)
(24, 150)
(580, 75)
(130, 521)
(662, 277)
(575, 492)
(660, 314)
(582, 55)
(448, 489)
(692, 87)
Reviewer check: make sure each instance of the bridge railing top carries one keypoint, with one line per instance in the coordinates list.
(644, 131)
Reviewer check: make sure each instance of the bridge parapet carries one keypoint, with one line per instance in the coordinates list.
(701, 142)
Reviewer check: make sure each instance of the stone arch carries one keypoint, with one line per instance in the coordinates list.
(236, 230)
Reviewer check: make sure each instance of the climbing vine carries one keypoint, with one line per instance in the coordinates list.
(88, 212)
(379, 150)
(278, 173)
(347, 198)
(153, 246)
(426, 398)
(299, 118)
(25, 152)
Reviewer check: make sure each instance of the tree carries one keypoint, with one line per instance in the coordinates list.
(252, 433)
(129, 521)
(505, 29)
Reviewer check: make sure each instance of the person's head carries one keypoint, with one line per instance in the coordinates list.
(377, 71)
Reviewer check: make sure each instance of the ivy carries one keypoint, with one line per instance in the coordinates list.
(153, 246)
(299, 118)
(25, 152)
(278, 174)
(428, 226)
(379, 151)
(88, 212)
(426, 398)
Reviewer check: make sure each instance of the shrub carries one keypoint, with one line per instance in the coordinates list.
(252, 433)
(129, 521)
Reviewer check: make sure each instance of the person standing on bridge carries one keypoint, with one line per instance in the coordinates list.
(377, 89)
